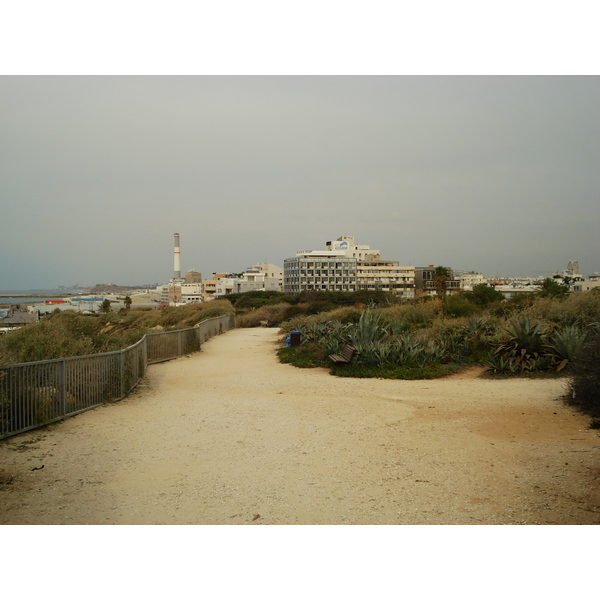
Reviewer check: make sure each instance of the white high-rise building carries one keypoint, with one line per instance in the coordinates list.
(573, 267)
(319, 270)
(348, 267)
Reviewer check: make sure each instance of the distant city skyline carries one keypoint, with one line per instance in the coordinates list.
(490, 174)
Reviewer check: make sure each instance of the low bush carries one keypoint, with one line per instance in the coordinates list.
(45, 340)
(459, 306)
(416, 312)
(255, 318)
(190, 314)
(257, 299)
(584, 385)
(306, 356)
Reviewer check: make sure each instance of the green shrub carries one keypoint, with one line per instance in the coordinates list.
(576, 309)
(459, 306)
(189, 314)
(552, 289)
(484, 295)
(258, 298)
(320, 307)
(304, 356)
(294, 310)
(584, 385)
(45, 340)
(269, 312)
(416, 312)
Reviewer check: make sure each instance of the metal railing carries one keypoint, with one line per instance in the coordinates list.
(39, 393)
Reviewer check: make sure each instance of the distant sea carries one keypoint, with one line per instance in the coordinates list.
(28, 296)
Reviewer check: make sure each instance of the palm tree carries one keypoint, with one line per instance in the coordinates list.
(440, 278)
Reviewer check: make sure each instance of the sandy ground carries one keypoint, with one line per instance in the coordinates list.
(230, 436)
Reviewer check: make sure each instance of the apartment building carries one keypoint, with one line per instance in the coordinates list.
(179, 292)
(386, 276)
(348, 267)
(260, 277)
(193, 276)
(468, 279)
(270, 271)
(225, 286)
(425, 284)
(209, 286)
(585, 284)
(191, 292)
(319, 270)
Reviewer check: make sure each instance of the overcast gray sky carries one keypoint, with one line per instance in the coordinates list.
(492, 174)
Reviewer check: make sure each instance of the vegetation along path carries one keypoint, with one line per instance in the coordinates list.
(231, 436)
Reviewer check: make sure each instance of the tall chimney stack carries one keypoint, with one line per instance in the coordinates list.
(177, 261)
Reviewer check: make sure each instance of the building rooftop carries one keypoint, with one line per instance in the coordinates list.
(325, 253)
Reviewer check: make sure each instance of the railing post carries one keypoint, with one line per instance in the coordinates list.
(180, 343)
(61, 388)
(122, 374)
(145, 351)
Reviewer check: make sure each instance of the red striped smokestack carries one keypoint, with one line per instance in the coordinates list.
(177, 262)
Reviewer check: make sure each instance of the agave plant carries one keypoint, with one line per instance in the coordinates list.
(477, 327)
(474, 341)
(501, 364)
(451, 341)
(430, 353)
(526, 335)
(564, 345)
(409, 352)
(382, 351)
(523, 352)
(397, 327)
(370, 328)
(318, 331)
(332, 344)
(370, 354)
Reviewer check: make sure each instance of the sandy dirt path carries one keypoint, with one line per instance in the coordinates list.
(231, 436)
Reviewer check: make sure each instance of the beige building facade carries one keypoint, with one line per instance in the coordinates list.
(386, 276)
